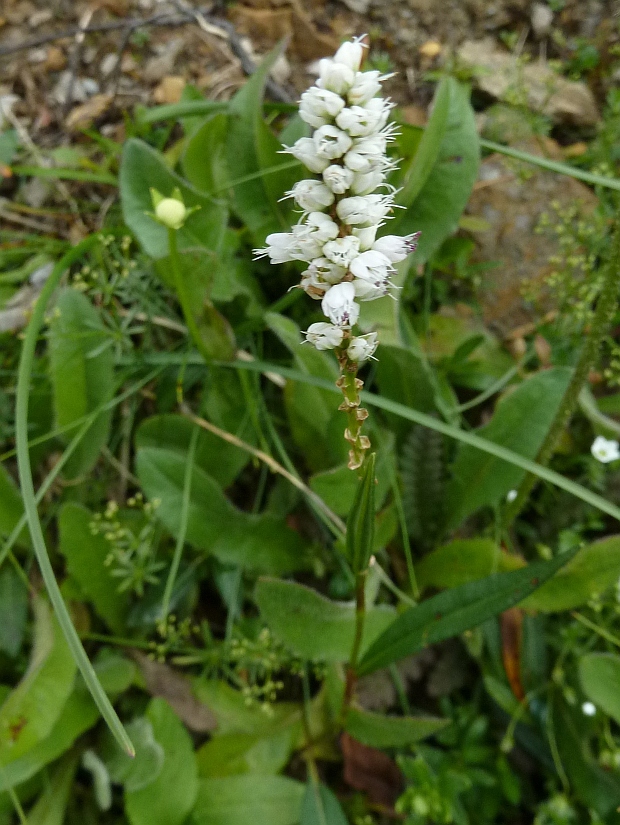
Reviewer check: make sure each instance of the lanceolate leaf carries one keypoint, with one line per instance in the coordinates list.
(320, 806)
(480, 480)
(379, 731)
(82, 373)
(455, 611)
(437, 204)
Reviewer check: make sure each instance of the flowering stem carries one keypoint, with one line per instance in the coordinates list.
(351, 385)
(603, 316)
(184, 296)
(360, 617)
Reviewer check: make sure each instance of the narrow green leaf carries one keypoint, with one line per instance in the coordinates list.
(13, 611)
(51, 807)
(311, 625)
(379, 731)
(440, 201)
(11, 507)
(455, 611)
(82, 374)
(361, 521)
(252, 200)
(417, 170)
(480, 480)
(599, 674)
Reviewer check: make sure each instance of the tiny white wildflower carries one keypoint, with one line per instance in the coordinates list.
(605, 450)
(324, 336)
(339, 305)
(588, 709)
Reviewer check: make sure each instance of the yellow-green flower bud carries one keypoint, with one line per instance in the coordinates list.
(171, 213)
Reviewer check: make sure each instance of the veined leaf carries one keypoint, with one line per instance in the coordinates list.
(311, 625)
(379, 731)
(455, 611)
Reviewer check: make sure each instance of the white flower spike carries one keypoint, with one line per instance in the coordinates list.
(344, 208)
(605, 450)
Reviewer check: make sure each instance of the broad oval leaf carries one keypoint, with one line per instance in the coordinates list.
(142, 168)
(85, 555)
(313, 626)
(169, 798)
(31, 709)
(255, 542)
(455, 611)
(320, 806)
(462, 561)
(599, 674)
(248, 800)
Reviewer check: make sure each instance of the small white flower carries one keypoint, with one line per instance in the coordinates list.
(324, 336)
(373, 267)
(605, 450)
(311, 235)
(339, 305)
(511, 496)
(326, 271)
(331, 142)
(588, 708)
(367, 154)
(395, 247)
(313, 285)
(342, 250)
(364, 210)
(367, 291)
(364, 183)
(281, 247)
(366, 235)
(350, 54)
(318, 106)
(363, 347)
(365, 86)
(305, 151)
(338, 178)
(336, 77)
(312, 195)
(360, 121)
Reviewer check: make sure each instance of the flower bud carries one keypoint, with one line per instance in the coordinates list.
(364, 87)
(339, 305)
(363, 210)
(318, 106)
(395, 247)
(360, 121)
(331, 142)
(312, 195)
(305, 151)
(350, 54)
(342, 250)
(171, 211)
(373, 267)
(338, 178)
(324, 336)
(336, 77)
(362, 347)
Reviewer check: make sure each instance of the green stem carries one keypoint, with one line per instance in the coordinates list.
(351, 385)
(185, 298)
(28, 495)
(184, 518)
(603, 316)
(360, 618)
